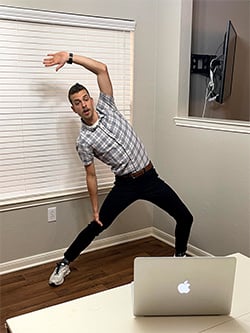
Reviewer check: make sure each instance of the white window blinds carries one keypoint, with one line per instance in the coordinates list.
(37, 127)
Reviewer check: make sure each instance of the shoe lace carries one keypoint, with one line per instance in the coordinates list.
(59, 266)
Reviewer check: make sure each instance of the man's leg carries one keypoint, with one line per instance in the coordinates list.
(119, 198)
(84, 238)
(158, 192)
(116, 201)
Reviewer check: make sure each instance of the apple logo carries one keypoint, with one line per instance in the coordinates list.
(184, 287)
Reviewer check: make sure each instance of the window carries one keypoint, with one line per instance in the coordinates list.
(37, 127)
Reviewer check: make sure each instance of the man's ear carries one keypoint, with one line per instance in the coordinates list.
(72, 108)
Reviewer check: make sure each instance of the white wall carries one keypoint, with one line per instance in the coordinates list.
(210, 170)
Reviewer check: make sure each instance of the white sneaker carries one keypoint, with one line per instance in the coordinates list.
(59, 273)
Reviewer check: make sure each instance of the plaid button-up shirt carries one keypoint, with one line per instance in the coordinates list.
(112, 140)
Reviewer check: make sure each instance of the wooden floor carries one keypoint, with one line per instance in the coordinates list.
(28, 290)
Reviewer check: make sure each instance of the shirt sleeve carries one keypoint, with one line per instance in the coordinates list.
(105, 103)
(85, 153)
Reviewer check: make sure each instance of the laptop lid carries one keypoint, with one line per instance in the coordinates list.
(169, 286)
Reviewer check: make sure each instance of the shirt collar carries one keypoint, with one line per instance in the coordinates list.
(95, 125)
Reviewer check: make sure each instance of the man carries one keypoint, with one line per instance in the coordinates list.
(106, 135)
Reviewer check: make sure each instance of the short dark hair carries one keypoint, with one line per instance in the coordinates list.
(75, 89)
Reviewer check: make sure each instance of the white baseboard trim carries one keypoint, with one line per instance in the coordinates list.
(43, 258)
(169, 239)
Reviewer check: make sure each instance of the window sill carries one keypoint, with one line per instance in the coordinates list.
(47, 200)
(242, 127)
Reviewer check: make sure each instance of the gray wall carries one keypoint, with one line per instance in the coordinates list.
(209, 169)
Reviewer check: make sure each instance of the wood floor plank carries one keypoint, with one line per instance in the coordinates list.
(28, 290)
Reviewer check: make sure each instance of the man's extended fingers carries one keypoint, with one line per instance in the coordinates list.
(48, 62)
(99, 222)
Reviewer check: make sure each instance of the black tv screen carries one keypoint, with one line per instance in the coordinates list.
(227, 64)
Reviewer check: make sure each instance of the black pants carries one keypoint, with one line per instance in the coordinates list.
(126, 191)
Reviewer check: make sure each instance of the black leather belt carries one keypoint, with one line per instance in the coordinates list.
(138, 173)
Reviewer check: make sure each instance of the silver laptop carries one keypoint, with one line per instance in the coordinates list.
(169, 286)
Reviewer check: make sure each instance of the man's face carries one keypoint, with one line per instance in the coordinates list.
(83, 105)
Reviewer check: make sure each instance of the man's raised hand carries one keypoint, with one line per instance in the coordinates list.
(59, 59)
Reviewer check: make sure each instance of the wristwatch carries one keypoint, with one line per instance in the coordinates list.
(70, 60)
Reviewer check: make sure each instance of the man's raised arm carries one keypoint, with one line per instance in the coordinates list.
(59, 59)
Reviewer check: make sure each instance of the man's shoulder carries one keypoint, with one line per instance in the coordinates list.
(105, 101)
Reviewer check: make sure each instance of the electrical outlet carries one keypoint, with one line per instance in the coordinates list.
(52, 214)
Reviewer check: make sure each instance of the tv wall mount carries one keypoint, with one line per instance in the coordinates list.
(200, 63)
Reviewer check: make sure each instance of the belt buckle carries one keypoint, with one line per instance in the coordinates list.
(138, 173)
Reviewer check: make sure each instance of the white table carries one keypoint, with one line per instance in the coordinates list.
(111, 312)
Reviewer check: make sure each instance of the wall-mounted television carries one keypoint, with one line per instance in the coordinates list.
(226, 66)
(219, 68)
